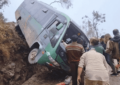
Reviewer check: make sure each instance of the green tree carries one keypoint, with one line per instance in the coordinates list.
(64, 3)
(91, 25)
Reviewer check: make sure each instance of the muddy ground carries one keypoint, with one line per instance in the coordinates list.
(14, 66)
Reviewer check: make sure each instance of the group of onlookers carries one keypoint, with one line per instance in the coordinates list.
(112, 50)
(94, 62)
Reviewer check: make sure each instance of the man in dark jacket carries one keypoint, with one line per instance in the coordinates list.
(74, 52)
(112, 46)
(116, 41)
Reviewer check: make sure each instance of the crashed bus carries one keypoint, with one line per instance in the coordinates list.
(44, 28)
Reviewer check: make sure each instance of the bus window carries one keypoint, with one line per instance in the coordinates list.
(54, 32)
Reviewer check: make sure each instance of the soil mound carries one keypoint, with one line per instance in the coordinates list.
(14, 66)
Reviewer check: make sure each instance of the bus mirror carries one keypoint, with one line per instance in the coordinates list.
(59, 26)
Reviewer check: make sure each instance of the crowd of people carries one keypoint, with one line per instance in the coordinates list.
(91, 67)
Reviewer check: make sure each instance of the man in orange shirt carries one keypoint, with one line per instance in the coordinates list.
(74, 52)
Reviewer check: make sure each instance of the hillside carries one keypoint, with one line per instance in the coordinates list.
(14, 66)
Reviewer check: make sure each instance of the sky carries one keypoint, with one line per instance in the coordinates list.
(79, 9)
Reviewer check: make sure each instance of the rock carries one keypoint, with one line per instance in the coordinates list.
(3, 70)
(11, 82)
(11, 73)
(17, 76)
(11, 66)
(5, 80)
(8, 76)
(17, 70)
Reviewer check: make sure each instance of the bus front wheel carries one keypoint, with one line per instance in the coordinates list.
(32, 55)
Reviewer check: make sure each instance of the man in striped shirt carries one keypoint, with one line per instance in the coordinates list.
(74, 52)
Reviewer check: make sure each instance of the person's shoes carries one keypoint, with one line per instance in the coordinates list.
(114, 74)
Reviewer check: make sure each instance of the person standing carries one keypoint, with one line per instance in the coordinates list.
(96, 68)
(74, 52)
(116, 41)
(113, 47)
(109, 45)
(102, 42)
(94, 43)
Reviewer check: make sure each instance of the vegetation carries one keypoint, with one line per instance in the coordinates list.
(3, 3)
(2, 18)
(64, 3)
(91, 25)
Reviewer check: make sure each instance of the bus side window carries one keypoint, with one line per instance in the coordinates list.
(54, 33)
(52, 29)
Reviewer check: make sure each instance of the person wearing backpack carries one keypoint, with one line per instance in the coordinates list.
(116, 40)
(112, 48)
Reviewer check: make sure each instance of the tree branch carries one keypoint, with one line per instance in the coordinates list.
(55, 2)
(3, 2)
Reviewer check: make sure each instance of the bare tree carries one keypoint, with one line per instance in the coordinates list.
(3, 3)
(2, 18)
(91, 25)
(64, 3)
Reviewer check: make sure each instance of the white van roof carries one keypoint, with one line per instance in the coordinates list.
(43, 4)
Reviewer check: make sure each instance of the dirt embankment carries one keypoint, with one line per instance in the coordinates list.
(14, 66)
